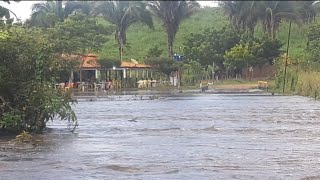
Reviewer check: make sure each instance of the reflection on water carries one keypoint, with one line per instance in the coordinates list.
(203, 136)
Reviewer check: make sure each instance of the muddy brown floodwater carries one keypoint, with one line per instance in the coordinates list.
(185, 137)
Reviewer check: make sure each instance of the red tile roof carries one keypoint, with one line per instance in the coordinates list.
(90, 61)
(126, 64)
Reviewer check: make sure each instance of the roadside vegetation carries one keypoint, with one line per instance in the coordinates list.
(211, 43)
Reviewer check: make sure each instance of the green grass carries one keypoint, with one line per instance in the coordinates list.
(141, 38)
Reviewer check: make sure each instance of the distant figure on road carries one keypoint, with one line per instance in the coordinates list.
(109, 85)
(204, 86)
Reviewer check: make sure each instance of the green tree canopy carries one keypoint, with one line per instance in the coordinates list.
(252, 53)
(80, 35)
(108, 63)
(47, 14)
(210, 45)
(28, 72)
(161, 64)
(313, 37)
(239, 57)
(154, 52)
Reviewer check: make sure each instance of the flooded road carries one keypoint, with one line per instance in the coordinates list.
(191, 137)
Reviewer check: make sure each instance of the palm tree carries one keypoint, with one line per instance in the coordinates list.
(123, 14)
(46, 14)
(273, 12)
(241, 14)
(5, 13)
(246, 14)
(308, 10)
(172, 13)
(231, 10)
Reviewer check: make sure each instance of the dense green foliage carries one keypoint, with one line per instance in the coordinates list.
(79, 35)
(162, 64)
(32, 61)
(302, 74)
(28, 71)
(313, 48)
(192, 72)
(47, 14)
(252, 53)
(154, 52)
(209, 46)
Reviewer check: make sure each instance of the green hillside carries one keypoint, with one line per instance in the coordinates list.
(141, 38)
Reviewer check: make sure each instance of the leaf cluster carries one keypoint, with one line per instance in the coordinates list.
(79, 34)
(162, 64)
(28, 71)
(210, 45)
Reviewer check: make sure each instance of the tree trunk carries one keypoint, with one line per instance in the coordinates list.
(80, 78)
(272, 32)
(104, 78)
(59, 12)
(120, 51)
(121, 42)
(82, 62)
(264, 28)
(272, 26)
(170, 44)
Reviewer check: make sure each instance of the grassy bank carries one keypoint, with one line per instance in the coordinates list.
(308, 84)
(298, 81)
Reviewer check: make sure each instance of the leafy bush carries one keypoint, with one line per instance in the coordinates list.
(28, 71)
(163, 65)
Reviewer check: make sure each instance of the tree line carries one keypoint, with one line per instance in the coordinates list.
(121, 14)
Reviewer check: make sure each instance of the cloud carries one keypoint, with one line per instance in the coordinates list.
(208, 3)
(22, 9)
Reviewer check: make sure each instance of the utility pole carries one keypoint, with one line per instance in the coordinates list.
(179, 69)
(213, 79)
(121, 50)
(286, 61)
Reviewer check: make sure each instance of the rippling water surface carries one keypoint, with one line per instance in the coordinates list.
(190, 137)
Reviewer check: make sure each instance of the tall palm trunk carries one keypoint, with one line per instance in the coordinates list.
(82, 62)
(270, 23)
(120, 41)
(60, 12)
(272, 31)
(121, 52)
(170, 44)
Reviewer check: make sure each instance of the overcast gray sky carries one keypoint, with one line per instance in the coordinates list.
(23, 8)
